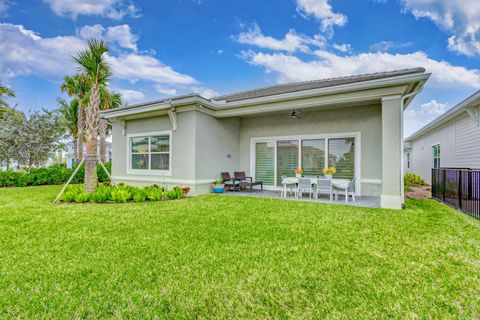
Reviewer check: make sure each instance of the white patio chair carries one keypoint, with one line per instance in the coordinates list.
(304, 184)
(286, 186)
(324, 185)
(349, 191)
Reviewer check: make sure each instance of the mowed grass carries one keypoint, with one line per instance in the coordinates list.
(234, 257)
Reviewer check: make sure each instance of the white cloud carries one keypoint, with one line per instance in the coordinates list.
(135, 67)
(327, 65)
(345, 47)
(291, 42)
(165, 91)
(129, 95)
(460, 18)
(121, 35)
(205, 92)
(384, 46)
(24, 52)
(92, 31)
(417, 117)
(113, 9)
(322, 10)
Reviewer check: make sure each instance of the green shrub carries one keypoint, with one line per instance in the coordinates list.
(82, 197)
(175, 193)
(140, 196)
(120, 195)
(55, 174)
(102, 195)
(412, 180)
(68, 196)
(154, 193)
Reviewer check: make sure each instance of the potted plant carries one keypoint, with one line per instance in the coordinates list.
(218, 185)
(298, 172)
(329, 172)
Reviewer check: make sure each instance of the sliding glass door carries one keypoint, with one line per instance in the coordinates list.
(280, 157)
(287, 158)
(313, 157)
(265, 162)
(341, 155)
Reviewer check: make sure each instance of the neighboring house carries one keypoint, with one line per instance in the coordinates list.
(353, 123)
(451, 140)
(69, 154)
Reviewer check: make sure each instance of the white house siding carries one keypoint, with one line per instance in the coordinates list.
(467, 143)
(459, 141)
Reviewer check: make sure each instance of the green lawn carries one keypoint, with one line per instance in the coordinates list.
(234, 257)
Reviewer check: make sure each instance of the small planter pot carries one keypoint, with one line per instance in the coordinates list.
(328, 176)
(298, 175)
(218, 188)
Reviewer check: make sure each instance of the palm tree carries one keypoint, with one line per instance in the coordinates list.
(108, 100)
(77, 86)
(5, 92)
(91, 62)
(69, 111)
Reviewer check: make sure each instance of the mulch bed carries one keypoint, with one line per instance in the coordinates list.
(420, 192)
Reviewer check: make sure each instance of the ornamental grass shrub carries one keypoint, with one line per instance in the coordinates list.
(122, 194)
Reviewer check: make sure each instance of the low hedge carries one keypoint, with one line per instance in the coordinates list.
(412, 180)
(122, 194)
(55, 174)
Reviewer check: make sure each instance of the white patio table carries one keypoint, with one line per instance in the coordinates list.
(337, 183)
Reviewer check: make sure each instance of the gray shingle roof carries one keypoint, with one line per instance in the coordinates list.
(307, 85)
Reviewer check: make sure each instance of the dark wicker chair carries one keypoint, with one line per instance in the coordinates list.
(231, 184)
(247, 182)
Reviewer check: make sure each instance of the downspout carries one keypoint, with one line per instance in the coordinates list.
(402, 158)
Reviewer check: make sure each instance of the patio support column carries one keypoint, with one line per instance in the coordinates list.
(392, 153)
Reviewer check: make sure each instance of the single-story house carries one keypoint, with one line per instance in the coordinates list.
(353, 123)
(451, 140)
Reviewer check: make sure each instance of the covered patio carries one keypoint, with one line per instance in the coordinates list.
(360, 201)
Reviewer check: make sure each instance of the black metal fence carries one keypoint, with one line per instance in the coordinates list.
(459, 188)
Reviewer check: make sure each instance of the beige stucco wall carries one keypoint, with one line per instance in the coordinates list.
(217, 147)
(202, 147)
(366, 119)
(183, 149)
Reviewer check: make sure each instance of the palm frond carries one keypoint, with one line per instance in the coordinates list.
(91, 61)
(69, 111)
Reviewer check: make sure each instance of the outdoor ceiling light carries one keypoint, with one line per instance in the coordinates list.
(295, 114)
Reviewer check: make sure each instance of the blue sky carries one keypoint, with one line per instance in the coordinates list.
(168, 47)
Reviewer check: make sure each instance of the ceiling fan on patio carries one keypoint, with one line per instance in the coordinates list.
(295, 114)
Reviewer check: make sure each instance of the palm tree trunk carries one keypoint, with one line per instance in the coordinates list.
(75, 150)
(91, 178)
(102, 127)
(80, 127)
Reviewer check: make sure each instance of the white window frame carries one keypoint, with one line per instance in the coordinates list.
(149, 171)
(409, 160)
(326, 136)
(439, 157)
